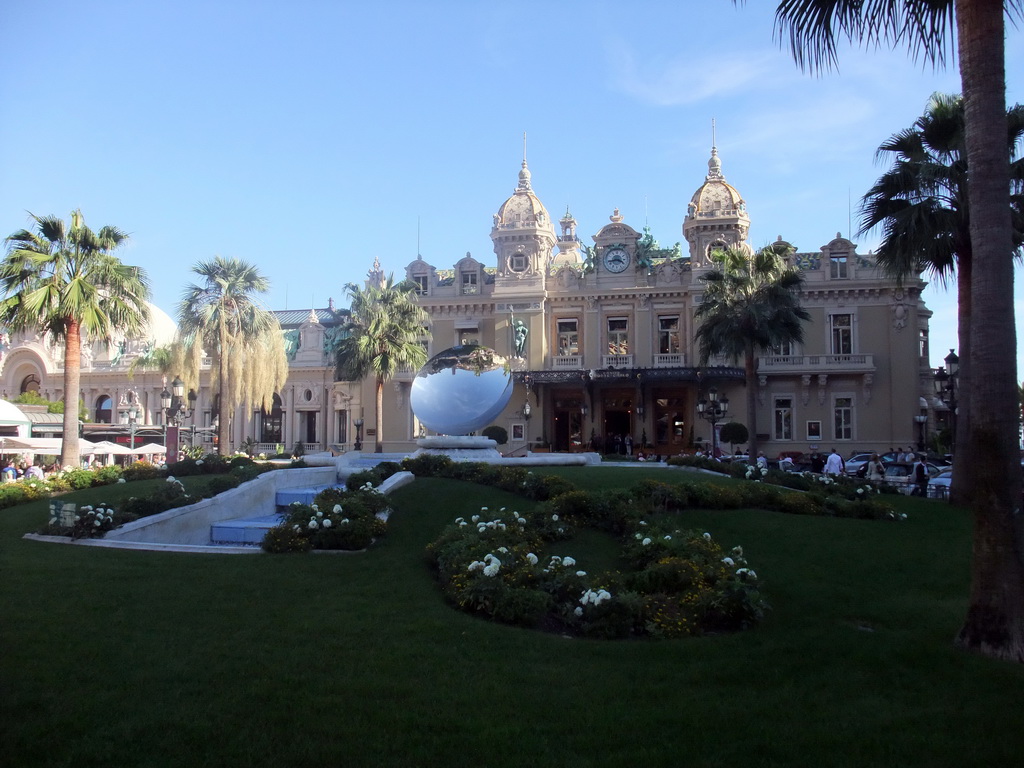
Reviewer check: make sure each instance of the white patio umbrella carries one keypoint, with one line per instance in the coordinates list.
(149, 448)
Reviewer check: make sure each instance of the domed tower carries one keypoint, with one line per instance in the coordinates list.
(716, 216)
(568, 244)
(523, 233)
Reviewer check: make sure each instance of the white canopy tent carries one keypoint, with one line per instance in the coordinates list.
(43, 446)
(148, 449)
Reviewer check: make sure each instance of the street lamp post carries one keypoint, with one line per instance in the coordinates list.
(358, 445)
(946, 384)
(713, 410)
(175, 412)
(130, 412)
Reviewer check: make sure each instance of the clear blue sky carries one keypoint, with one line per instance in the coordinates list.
(310, 137)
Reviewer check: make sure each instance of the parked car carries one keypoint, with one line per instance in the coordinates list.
(938, 486)
(855, 462)
(902, 475)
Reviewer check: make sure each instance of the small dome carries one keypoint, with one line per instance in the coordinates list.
(524, 209)
(162, 328)
(716, 195)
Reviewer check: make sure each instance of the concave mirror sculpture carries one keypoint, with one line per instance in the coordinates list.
(461, 390)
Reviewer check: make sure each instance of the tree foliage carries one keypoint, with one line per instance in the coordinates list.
(751, 304)
(382, 336)
(222, 318)
(62, 279)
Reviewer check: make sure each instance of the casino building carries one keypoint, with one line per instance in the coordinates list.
(601, 339)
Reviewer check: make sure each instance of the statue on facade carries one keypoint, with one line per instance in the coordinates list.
(520, 333)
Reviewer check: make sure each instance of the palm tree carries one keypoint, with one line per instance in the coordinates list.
(921, 204)
(995, 617)
(222, 317)
(64, 280)
(381, 337)
(751, 303)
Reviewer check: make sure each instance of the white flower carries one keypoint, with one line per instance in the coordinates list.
(199, 462)
(319, 513)
(522, 521)
(170, 479)
(568, 561)
(475, 518)
(313, 524)
(531, 558)
(483, 509)
(314, 507)
(668, 538)
(581, 573)
(642, 522)
(503, 550)
(96, 522)
(327, 523)
(578, 612)
(120, 479)
(646, 541)
(344, 520)
(555, 518)
(555, 560)
(637, 536)
(77, 518)
(476, 565)
(337, 508)
(746, 573)
(492, 569)
(737, 551)
(728, 561)
(457, 519)
(502, 509)
(462, 524)
(707, 536)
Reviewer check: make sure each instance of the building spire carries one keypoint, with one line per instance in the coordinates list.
(715, 163)
(524, 174)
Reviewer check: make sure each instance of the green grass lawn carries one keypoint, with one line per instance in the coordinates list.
(121, 658)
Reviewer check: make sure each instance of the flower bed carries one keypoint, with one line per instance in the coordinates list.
(337, 519)
(505, 566)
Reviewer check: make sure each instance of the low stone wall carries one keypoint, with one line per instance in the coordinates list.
(191, 524)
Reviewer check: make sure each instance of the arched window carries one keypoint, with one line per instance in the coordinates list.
(104, 410)
(30, 384)
(270, 423)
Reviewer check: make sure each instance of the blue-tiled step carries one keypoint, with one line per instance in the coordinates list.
(301, 495)
(248, 530)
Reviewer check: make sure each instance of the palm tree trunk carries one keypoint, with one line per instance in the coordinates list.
(963, 467)
(994, 625)
(69, 449)
(223, 420)
(379, 417)
(750, 370)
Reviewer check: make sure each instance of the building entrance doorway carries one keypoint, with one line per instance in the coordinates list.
(618, 421)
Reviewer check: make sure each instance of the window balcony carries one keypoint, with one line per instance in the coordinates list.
(670, 360)
(617, 361)
(849, 363)
(567, 362)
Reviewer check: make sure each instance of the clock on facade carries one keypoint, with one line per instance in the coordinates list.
(616, 260)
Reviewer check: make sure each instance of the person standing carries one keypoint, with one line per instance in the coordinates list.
(817, 463)
(876, 471)
(919, 476)
(834, 464)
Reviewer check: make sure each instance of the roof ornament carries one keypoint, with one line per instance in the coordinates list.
(524, 174)
(715, 163)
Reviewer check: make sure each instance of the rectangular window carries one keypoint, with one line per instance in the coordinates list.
(783, 350)
(838, 266)
(842, 334)
(466, 336)
(568, 337)
(783, 418)
(668, 335)
(923, 345)
(469, 284)
(814, 430)
(421, 284)
(843, 418)
(618, 336)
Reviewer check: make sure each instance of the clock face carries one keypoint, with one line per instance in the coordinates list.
(616, 260)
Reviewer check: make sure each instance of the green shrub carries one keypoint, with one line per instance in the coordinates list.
(107, 475)
(282, 539)
(428, 465)
(12, 494)
(358, 480)
(141, 470)
(79, 478)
